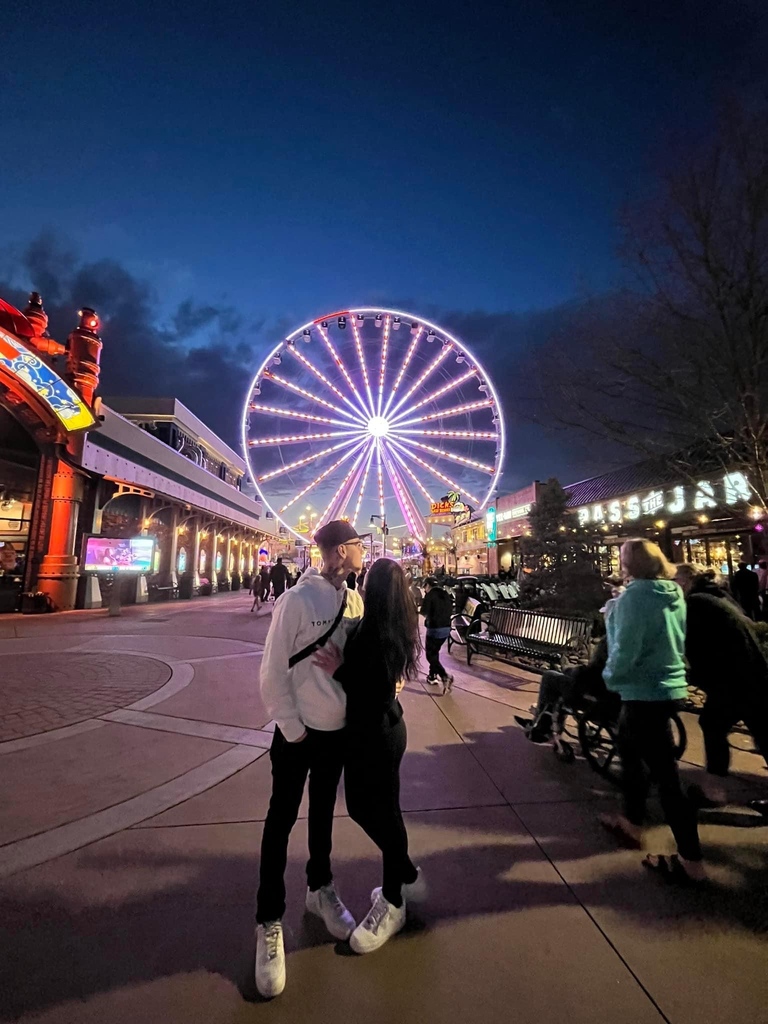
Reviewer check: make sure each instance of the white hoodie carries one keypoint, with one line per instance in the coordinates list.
(305, 695)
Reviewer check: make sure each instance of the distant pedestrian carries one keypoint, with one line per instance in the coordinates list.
(352, 581)
(745, 587)
(278, 577)
(361, 578)
(437, 609)
(264, 583)
(255, 591)
(762, 585)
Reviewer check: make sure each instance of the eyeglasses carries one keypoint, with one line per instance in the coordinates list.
(353, 543)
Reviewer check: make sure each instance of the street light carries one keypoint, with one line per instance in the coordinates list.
(384, 529)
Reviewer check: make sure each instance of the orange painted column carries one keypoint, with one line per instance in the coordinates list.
(59, 568)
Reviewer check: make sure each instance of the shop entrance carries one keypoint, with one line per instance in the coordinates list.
(19, 465)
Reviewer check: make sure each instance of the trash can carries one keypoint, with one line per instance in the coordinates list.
(186, 588)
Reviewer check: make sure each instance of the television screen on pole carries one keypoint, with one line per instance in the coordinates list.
(119, 554)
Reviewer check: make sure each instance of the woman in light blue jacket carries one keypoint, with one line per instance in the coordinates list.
(646, 667)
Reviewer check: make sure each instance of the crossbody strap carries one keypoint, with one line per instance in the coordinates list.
(322, 641)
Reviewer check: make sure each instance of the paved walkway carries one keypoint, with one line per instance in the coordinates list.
(133, 788)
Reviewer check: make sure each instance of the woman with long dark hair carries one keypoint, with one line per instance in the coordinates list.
(379, 657)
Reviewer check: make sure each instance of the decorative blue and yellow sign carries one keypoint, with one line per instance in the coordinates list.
(35, 375)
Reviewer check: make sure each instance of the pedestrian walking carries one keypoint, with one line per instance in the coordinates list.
(278, 577)
(646, 667)
(264, 578)
(255, 591)
(379, 657)
(310, 711)
(437, 609)
(725, 661)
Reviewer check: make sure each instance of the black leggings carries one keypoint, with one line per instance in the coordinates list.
(645, 742)
(372, 787)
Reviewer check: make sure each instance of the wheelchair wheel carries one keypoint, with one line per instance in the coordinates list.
(459, 629)
(598, 744)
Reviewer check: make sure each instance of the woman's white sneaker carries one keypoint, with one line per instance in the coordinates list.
(326, 903)
(381, 922)
(270, 959)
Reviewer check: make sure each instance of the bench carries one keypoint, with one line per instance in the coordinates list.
(163, 593)
(512, 633)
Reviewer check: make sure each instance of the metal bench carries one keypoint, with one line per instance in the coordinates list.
(509, 634)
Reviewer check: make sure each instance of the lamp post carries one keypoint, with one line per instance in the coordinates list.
(384, 529)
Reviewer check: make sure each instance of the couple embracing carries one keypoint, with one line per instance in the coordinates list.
(330, 675)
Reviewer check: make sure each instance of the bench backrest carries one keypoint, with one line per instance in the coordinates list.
(543, 627)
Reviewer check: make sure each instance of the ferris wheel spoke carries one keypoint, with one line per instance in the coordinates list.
(439, 358)
(361, 360)
(457, 410)
(322, 476)
(383, 364)
(408, 507)
(434, 395)
(342, 366)
(263, 478)
(403, 368)
(407, 469)
(380, 479)
(290, 386)
(461, 435)
(364, 484)
(274, 410)
(326, 515)
(359, 415)
(352, 486)
(452, 456)
(298, 438)
(435, 472)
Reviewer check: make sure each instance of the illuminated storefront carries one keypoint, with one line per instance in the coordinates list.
(709, 520)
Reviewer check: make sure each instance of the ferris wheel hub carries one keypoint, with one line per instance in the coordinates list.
(378, 426)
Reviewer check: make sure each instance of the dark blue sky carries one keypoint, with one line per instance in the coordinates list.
(291, 158)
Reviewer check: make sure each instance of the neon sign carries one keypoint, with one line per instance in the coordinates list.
(734, 488)
(66, 405)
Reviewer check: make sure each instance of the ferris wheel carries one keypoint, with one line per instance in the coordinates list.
(371, 412)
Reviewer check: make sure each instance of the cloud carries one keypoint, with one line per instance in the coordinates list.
(206, 354)
(203, 354)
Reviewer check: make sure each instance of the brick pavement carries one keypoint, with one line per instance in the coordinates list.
(48, 691)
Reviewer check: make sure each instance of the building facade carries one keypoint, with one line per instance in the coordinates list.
(73, 468)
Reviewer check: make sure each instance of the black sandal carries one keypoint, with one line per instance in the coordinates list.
(671, 869)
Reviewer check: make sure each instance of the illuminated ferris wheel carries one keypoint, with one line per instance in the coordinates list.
(371, 412)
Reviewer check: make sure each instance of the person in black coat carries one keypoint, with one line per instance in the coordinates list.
(726, 662)
(278, 577)
(745, 587)
(378, 658)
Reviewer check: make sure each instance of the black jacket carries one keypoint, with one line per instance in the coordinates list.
(371, 700)
(720, 645)
(437, 608)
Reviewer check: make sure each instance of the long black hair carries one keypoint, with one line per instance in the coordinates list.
(390, 619)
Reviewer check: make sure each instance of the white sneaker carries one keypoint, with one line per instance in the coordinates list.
(447, 684)
(270, 959)
(381, 923)
(415, 892)
(325, 902)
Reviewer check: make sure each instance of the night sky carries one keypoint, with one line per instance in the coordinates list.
(209, 175)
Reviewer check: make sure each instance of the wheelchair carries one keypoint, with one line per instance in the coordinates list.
(593, 723)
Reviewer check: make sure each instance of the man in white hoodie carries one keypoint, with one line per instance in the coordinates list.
(309, 708)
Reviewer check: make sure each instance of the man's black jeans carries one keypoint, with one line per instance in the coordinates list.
(321, 757)
(432, 651)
